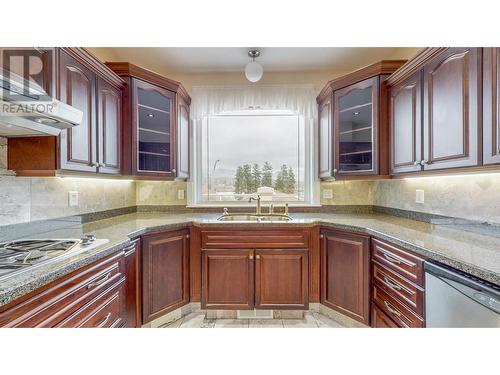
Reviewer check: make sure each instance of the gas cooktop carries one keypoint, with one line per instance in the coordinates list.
(20, 255)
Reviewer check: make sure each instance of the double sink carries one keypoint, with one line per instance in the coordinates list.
(254, 217)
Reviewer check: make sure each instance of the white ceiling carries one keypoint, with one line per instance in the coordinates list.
(219, 59)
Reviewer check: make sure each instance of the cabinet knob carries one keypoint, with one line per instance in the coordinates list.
(424, 162)
(102, 165)
(321, 236)
(416, 163)
(250, 257)
(257, 257)
(188, 236)
(174, 170)
(94, 164)
(335, 170)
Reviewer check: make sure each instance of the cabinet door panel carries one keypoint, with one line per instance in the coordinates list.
(165, 273)
(406, 125)
(154, 131)
(491, 103)
(77, 88)
(281, 279)
(451, 109)
(109, 120)
(227, 279)
(345, 274)
(325, 139)
(355, 123)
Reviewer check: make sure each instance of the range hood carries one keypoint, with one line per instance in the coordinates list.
(31, 112)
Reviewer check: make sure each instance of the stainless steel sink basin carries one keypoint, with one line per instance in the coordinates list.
(254, 218)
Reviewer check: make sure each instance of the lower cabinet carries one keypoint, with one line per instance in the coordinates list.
(262, 269)
(165, 273)
(227, 279)
(281, 279)
(345, 273)
(93, 296)
(398, 290)
(244, 279)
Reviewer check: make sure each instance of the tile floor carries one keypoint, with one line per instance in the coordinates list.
(310, 320)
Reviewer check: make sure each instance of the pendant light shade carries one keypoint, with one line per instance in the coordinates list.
(253, 70)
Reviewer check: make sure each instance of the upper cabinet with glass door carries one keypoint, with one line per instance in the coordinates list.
(156, 130)
(356, 131)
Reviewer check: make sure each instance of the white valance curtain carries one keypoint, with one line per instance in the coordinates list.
(216, 100)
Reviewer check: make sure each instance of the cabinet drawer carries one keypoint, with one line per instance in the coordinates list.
(380, 319)
(62, 298)
(255, 239)
(103, 311)
(399, 260)
(395, 310)
(409, 294)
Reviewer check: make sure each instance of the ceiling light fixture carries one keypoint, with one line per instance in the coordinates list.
(253, 70)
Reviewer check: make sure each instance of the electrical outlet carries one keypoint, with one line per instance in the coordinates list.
(73, 199)
(180, 194)
(419, 196)
(327, 194)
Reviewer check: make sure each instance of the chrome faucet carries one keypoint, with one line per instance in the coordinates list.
(258, 210)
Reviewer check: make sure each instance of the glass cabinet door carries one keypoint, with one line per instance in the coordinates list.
(356, 118)
(154, 129)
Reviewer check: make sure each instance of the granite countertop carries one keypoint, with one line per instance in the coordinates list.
(466, 248)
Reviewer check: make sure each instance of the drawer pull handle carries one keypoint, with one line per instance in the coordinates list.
(392, 309)
(391, 284)
(99, 282)
(257, 257)
(250, 257)
(391, 259)
(104, 321)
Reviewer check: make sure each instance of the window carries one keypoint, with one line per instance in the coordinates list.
(241, 154)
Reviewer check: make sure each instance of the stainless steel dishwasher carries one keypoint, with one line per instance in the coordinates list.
(456, 299)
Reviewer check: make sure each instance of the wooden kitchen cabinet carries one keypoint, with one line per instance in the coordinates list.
(405, 114)
(77, 87)
(227, 279)
(261, 269)
(345, 273)
(434, 111)
(491, 105)
(92, 296)
(165, 273)
(451, 109)
(398, 286)
(92, 147)
(109, 120)
(353, 130)
(156, 124)
(281, 279)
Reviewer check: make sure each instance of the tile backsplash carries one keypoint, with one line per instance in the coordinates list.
(24, 199)
(474, 197)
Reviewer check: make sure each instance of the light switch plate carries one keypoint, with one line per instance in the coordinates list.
(73, 199)
(180, 194)
(419, 196)
(327, 194)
